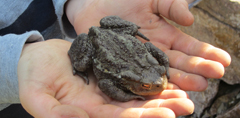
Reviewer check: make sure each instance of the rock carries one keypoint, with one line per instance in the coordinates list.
(228, 96)
(223, 103)
(226, 11)
(232, 113)
(203, 99)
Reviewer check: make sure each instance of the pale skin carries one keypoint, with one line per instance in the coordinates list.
(48, 89)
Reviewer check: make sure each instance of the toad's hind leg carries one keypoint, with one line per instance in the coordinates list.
(112, 22)
(119, 25)
(108, 87)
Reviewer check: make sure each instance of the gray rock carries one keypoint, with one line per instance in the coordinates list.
(203, 99)
(228, 97)
(226, 11)
(232, 113)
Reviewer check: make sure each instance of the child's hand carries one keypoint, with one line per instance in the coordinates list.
(48, 89)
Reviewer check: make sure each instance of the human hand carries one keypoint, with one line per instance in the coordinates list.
(48, 89)
(191, 61)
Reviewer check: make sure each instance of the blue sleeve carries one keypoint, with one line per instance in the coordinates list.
(11, 46)
(65, 25)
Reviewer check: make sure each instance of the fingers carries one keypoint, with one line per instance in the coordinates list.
(174, 39)
(188, 81)
(191, 46)
(150, 108)
(111, 111)
(168, 94)
(184, 107)
(195, 65)
(191, 67)
(172, 86)
(167, 99)
(176, 10)
(148, 113)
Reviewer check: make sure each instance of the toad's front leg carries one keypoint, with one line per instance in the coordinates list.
(161, 57)
(80, 55)
(108, 87)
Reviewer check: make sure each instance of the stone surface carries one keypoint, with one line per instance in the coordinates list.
(232, 113)
(225, 11)
(218, 22)
(203, 99)
(228, 97)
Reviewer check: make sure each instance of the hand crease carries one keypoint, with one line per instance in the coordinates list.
(191, 45)
(178, 61)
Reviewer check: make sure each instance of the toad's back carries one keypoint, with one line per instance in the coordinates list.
(115, 53)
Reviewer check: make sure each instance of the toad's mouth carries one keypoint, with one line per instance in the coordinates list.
(145, 89)
(146, 86)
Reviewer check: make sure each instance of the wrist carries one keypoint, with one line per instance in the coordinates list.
(75, 10)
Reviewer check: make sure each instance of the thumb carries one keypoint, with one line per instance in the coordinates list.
(175, 10)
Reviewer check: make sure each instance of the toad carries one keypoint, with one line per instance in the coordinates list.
(126, 68)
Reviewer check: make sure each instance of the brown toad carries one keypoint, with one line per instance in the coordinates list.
(125, 67)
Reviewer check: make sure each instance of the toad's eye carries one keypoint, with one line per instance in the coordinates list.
(147, 86)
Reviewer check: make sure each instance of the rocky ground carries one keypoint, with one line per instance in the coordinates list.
(218, 22)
